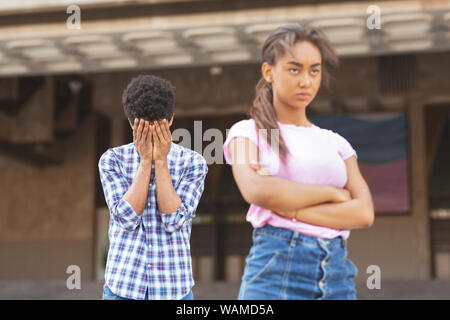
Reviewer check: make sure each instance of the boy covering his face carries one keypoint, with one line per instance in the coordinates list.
(152, 188)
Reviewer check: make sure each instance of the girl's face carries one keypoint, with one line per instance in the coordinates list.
(295, 80)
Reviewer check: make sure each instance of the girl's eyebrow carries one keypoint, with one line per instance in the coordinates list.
(301, 65)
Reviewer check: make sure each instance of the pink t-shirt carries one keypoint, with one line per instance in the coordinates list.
(316, 156)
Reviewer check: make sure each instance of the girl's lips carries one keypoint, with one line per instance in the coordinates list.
(302, 96)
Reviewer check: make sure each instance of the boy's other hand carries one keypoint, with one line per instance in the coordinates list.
(162, 139)
(142, 139)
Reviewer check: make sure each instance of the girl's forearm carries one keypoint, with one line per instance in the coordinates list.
(279, 194)
(353, 214)
(269, 192)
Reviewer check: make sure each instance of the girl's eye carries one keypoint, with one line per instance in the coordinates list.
(314, 72)
(294, 71)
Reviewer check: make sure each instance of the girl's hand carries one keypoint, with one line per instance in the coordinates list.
(258, 169)
(342, 195)
(263, 172)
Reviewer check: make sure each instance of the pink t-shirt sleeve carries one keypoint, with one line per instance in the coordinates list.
(345, 149)
(243, 128)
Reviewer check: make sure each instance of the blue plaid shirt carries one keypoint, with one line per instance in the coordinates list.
(150, 251)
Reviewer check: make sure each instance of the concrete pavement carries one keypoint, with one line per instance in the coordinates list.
(57, 290)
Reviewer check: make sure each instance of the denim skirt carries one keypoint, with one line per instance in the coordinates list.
(288, 265)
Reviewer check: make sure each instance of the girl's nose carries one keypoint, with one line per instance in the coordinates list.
(304, 80)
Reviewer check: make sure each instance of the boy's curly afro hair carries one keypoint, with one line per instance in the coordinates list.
(148, 97)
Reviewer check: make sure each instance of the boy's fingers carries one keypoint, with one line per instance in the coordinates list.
(150, 133)
(155, 135)
(139, 130)
(134, 129)
(142, 127)
(145, 131)
(168, 134)
(162, 127)
(158, 131)
(162, 130)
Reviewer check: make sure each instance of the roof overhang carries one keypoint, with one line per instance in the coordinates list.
(217, 38)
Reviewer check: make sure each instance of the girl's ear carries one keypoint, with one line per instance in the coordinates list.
(266, 70)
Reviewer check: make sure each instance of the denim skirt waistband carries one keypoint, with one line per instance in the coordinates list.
(295, 237)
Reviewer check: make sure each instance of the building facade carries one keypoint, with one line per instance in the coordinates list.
(63, 70)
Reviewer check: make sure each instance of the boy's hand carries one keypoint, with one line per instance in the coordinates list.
(143, 139)
(162, 139)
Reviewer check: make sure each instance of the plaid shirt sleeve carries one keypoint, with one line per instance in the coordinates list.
(189, 190)
(114, 187)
